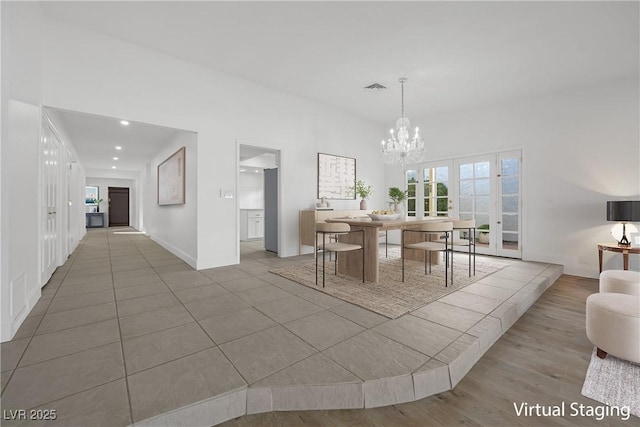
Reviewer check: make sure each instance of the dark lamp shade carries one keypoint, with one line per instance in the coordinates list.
(624, 211)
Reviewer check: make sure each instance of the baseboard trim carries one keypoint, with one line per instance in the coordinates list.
(176, 251)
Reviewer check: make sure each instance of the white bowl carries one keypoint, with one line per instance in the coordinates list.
(390, 217)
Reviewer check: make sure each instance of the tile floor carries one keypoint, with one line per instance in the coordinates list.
(126, 333)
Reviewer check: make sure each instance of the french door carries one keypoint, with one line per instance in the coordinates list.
(476, 198)
(429, 192)
(486, 188)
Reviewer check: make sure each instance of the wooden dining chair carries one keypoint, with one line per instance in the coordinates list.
(428, 230)
(326, 229)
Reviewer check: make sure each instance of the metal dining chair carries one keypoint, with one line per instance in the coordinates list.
(439, 228)
(326, 229)
(468, 225)
(385, 234)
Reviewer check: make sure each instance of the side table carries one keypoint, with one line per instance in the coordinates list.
(95, 219)
(624, 250)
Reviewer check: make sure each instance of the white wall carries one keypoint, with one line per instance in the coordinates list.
(153, 88)
(22, 287)
(251, 190)
(580, 148)
(20, 189)
(174, 226)
(103, 185)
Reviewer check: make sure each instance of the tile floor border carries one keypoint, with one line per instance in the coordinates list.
(439, 374)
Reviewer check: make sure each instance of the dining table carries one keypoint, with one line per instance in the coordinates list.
(350, 263)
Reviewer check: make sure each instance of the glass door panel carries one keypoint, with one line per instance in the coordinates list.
(436, 190)
(476, 199)
(412, 184)
(509, 187)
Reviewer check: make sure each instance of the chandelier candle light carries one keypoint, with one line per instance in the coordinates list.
(400, 147)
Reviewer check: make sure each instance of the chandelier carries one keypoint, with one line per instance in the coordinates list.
(400, 147)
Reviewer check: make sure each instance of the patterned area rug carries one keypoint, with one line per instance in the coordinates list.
(391, 297)
(614, 382)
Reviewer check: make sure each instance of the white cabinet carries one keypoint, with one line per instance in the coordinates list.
(255, 228)
(251, 224)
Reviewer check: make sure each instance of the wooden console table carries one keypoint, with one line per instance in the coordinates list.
(624, 250)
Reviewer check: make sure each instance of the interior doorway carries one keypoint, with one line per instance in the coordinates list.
(118, 206)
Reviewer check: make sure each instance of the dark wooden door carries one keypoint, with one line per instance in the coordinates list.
(118, 206)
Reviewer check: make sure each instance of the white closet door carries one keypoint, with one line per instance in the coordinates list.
(50, 147)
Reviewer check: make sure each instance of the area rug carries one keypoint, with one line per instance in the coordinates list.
(390, 296)
(614, 382)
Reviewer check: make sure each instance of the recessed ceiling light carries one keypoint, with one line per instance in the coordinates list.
(115, 158)
(118, 147)
(257, 171)
(124, 122)
(113, 167)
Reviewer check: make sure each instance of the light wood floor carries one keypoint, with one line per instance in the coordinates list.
(542, 359)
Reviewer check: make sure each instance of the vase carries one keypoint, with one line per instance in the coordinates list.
(363, 205)
(397, 208)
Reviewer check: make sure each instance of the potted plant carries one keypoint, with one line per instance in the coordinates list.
(364, 191)
(397, 196)
(97, 202)
(483, 233)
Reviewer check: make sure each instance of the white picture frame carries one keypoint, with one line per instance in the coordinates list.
(336, 177)
(171, 179)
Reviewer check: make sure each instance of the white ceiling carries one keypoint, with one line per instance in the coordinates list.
(455, 54)
(95, 138)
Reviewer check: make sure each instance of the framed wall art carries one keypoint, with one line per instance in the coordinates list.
(171, 179)
(91, 194)
(336, 177)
